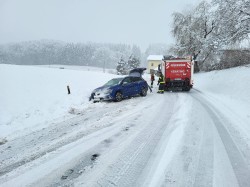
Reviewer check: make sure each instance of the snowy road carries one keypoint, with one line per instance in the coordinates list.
(175, 139)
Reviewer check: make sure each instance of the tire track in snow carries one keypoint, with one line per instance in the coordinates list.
(26, 149)
(238, 162)
(207, 157)
(240, 133)
(204, 173)
(26, 170)
(132, 161)
(193, 161)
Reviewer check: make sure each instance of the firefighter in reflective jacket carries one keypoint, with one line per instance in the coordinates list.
(161, 83)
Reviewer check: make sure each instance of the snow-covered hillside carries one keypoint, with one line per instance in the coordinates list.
(50, 138)
(32, 97)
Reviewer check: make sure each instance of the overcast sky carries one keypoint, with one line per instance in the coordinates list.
(139, 22)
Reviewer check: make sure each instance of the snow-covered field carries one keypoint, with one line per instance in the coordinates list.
(50, 138)
(32, 97)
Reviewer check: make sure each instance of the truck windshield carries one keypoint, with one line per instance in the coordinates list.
(113, 82)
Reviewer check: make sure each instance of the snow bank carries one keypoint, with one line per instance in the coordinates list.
(232, 83)
(230, 90)
(230, 86)
(33, 96)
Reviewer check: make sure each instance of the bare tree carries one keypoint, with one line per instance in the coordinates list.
(210, 28)
(234, 18)
(194, 32)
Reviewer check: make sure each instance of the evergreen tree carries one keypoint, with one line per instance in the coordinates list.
(133, 62)
(136, 52)
(121, 67)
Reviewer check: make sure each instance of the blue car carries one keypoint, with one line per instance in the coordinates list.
(119, 88)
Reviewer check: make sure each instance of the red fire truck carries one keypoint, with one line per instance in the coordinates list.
(178, 73)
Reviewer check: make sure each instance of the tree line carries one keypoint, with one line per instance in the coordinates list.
(121, 57)
(45, 52)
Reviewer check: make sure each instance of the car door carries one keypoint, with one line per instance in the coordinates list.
(127, 87)
(136, 87)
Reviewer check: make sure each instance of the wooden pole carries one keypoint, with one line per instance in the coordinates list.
(68, 89)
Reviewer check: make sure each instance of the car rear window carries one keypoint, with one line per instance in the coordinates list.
(136, 79)
(128, 80)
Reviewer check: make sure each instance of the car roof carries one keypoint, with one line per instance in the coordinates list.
(129, 76)
(132, 77)
(137, 72)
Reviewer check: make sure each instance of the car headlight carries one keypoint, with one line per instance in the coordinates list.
(94, 91)
(107, 91)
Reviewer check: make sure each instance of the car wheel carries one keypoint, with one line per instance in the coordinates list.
(118, 96)
(143, 92)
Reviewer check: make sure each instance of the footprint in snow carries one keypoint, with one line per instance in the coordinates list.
(126, 129)
(2, 141)
(95, 156)
(67, 173)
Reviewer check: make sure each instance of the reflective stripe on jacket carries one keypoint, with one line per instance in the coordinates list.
(161, 80)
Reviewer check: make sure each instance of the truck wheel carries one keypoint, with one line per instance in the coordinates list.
(143, 92)
(118, 96)
(167, 89)
(187, 88)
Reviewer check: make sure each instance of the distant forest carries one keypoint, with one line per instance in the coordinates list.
(45, 52)
(53, 52)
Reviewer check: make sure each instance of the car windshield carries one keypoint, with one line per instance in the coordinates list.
(113, 82)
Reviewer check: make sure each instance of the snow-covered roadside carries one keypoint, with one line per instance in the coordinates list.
(32, 97)
(229, 89)
(231, 86)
